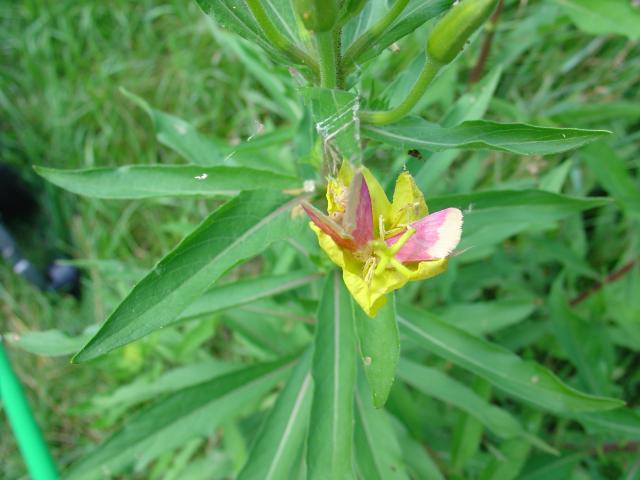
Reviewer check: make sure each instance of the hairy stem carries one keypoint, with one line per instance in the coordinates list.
(371, 35)
(427, 74)
(278, 39)
(328, 59)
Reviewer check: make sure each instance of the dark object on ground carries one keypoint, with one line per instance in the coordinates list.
(19, 205)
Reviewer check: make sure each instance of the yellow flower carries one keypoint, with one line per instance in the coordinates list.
(379, 245)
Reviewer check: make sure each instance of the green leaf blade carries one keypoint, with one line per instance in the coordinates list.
(237, 231)
(521, 139)
(276, 449)
(333, 370)
(528, 381)
(378, 453)
(435, 383)
(151, 181)
(415, 15)
(245, 291)
(379, 341)
(191, 412)
(598, 17)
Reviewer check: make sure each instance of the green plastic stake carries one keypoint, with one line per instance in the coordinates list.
(34, 450)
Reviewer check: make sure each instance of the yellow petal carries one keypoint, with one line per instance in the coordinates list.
(335, 253)
(337, 189)
(380, 202)
(370, 299)
(346, 173)
(428, 269)
(408, 201)
(336, 193)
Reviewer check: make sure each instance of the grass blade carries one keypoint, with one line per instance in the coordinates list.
(189, 413)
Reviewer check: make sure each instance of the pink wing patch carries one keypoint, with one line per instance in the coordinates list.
(359, 216)
(329, 227)
(436, 236)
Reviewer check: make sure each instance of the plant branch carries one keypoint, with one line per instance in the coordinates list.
(612, 277)
(278, 39)
(327, 54)
(370, 36)
(427, 74)
(476, 72)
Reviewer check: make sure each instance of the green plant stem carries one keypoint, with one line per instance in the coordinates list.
(370, 36)
(328, 59)
(427, 74)
(278, 39)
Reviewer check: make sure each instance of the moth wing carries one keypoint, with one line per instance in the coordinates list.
(328, 226)
(435, 238)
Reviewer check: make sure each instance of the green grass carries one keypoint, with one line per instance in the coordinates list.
(62, 66)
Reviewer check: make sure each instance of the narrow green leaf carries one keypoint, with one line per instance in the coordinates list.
(493, 216)
(550, 468)
(593, 113)
(144, 389)
(167, 424)
(583, 341)
(526, 380)
(550, 205)
(378, 454)
(622, 422)
(149, 181)
(418, 461)
(237, 231)
(284, 18)
(598, 17)
(262, 71)
(614, 175)
(47, 343)
(333, 370)
(267, 335)
(555, 178)
(480, 318)
(435, 383)
(380, 349)
(180, 136)
(471, 106)
(414, 132)
(184, 139)
(235, 16)
(490, 220)
(467, 434)
(474, 104)
(245, 291)
(275, 451)
(513, 453)
(416, 14)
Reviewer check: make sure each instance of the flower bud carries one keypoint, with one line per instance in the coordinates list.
(448, 37)
(318, 15)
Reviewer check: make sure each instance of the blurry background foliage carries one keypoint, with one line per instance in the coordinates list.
(567, 63)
